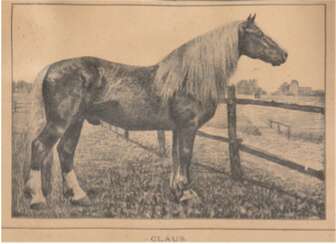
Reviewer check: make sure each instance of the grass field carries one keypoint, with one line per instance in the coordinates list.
(305, 127)
(128, 179)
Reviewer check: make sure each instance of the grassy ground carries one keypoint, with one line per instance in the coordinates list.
(305, 127)
(128, 179)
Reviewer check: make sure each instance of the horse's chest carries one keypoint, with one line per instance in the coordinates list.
(188, 111)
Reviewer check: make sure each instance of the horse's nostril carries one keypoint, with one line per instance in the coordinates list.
(285, 55)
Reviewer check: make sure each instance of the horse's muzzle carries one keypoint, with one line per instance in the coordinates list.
(282, 59)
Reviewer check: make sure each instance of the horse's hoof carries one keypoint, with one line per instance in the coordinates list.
(85, 201)
(68, 193)
(189, 195)
(38, 205)
(177, 194)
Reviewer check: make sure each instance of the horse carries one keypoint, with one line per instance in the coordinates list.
(179, 94)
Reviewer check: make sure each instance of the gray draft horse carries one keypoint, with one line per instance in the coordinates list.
(180, 94)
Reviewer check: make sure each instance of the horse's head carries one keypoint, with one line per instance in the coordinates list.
(255, 44)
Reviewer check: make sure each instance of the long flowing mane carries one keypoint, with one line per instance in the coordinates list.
(202, 66)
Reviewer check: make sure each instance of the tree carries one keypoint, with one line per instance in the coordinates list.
(249, 87)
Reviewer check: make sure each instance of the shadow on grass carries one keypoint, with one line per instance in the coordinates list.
(147, 148)
(247, 181)
(244, 181)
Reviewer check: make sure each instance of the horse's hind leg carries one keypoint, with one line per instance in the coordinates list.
(41, 147)
(66, 150)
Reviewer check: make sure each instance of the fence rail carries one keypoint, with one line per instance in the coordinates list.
(268, 156)
(290, 106)
(19, 106)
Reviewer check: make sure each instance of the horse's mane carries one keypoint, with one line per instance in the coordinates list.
(202, 66)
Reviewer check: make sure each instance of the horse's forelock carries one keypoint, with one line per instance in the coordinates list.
(201, 66)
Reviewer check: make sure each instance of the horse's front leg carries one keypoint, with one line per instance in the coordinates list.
(183, 142)
(175, 161)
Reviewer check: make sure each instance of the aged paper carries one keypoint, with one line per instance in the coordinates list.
(168, 121)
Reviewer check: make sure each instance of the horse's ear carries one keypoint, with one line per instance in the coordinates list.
(250, 19)
(253, 18)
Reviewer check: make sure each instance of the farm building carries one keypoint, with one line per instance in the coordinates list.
(294, 89)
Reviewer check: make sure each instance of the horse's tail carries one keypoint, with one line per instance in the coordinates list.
(37, 123)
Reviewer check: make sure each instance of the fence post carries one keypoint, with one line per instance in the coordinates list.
(162, 142)
(236, 171)
(126, 134)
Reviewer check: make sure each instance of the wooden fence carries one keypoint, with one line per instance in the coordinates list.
(236, 145)
(280, 125)
(125, 133)
(21, 107)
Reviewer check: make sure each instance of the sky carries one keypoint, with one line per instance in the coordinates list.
(143, 35)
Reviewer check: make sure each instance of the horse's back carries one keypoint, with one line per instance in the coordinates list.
(73, 86)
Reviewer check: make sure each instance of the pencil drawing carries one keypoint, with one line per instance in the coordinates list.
(179, 94)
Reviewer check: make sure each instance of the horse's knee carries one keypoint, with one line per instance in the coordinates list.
(53, 133)
(49, 136)
(185, 155)
(186, 151)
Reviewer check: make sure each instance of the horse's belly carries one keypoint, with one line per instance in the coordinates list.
(136, 106)
(137, 116)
